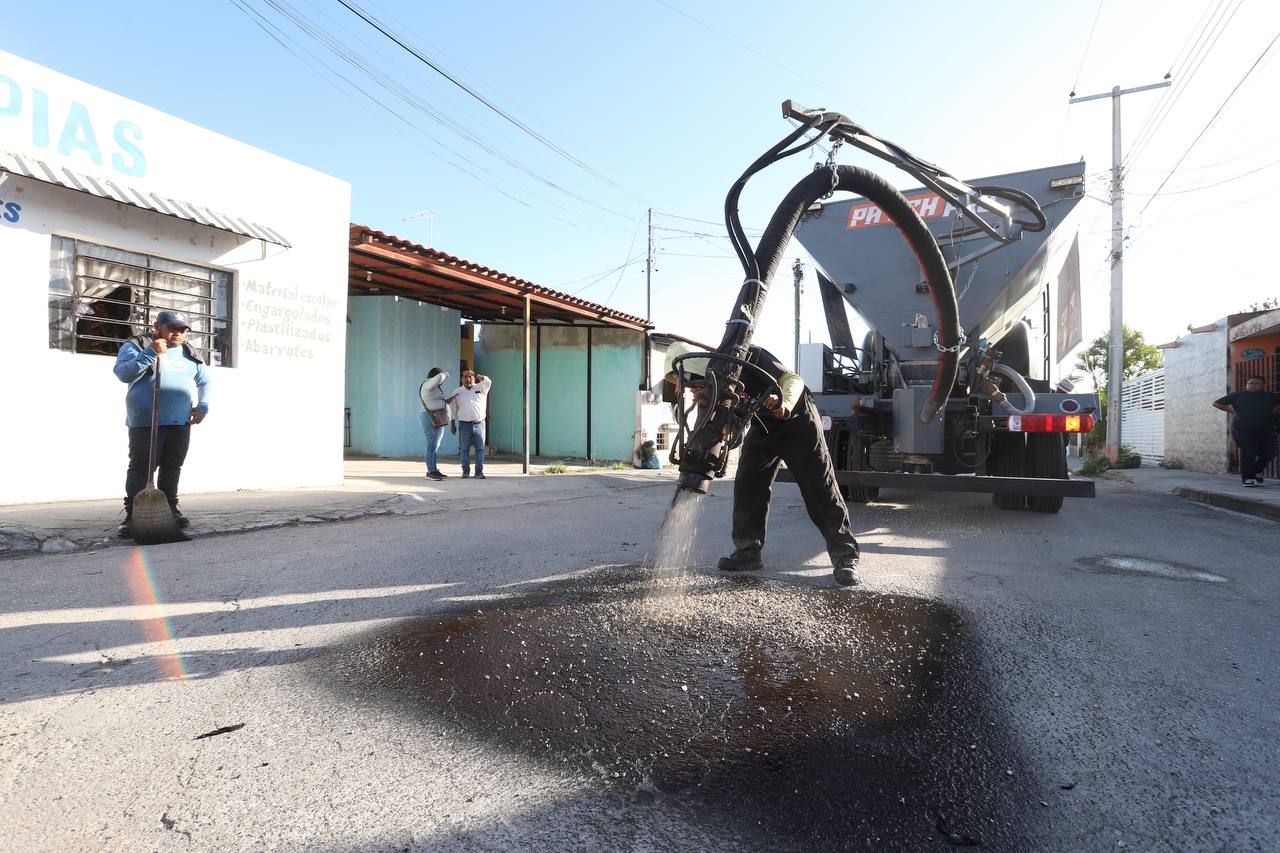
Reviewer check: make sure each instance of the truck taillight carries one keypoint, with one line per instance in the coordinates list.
(1051, 423)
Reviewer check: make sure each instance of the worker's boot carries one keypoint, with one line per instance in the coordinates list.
(741, 561)
(180, 519)
(125, 530)
(846, 571)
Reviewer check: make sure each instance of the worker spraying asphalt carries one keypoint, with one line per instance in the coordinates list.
(785, 427)
(743, 396)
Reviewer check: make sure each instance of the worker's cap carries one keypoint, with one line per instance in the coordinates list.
(693, 368)
(173, 319)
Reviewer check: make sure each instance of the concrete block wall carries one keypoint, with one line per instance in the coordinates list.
(1196, 374)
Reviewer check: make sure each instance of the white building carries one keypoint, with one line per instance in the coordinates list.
(111, 211)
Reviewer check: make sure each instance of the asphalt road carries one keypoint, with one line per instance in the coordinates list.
(515, 679)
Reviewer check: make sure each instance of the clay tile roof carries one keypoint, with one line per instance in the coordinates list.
(508, 290)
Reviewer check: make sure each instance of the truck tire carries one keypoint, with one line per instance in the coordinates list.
(1046, 457)
(1008, 458)
(853, 457)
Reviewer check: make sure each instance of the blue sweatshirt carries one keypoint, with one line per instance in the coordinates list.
(184, 385)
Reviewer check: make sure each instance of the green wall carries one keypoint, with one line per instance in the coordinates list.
(391, 344)
(559, 419)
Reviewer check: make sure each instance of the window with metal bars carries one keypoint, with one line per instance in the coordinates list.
(100, 297)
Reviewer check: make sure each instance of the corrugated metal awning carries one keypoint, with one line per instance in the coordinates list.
(30, 167)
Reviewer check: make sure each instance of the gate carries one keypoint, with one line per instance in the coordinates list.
(1142, 415)
(1266, 368)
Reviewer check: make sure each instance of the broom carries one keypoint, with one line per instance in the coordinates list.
(152, 521)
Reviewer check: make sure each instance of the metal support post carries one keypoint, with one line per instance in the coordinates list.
(526, 384)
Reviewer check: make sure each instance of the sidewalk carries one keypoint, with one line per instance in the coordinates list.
(1220, 490)
(371, 487)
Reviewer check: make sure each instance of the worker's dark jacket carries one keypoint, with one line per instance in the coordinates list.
(799, 441)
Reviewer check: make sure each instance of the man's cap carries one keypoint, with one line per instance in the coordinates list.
(173, 319)
(692, 367)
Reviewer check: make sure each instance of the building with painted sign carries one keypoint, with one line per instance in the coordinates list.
(111, 211)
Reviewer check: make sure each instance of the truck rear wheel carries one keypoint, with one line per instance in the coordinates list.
(1046, 457)
(1007, 459)
(853, 457)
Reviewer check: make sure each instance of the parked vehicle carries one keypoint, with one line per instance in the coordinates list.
(946, 382)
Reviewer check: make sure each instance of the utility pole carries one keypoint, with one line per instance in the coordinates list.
(1115, 349)
(648, 273)
(797, 269)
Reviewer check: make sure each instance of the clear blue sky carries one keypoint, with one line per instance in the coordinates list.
(671, 110)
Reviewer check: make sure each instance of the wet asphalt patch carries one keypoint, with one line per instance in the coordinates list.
(780, 715)
(1134, 566)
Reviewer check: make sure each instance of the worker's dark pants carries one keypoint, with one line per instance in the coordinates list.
(171, 451)
(800, 443)
(1257, 446)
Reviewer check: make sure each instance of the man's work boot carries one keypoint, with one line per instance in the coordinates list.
(737, 562)
(182, 520)
(126, 528)
(846, 571)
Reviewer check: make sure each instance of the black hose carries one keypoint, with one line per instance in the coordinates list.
(1021, 199)
(737, 236)
(769, 251)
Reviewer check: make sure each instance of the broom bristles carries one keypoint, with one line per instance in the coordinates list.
(152, 522)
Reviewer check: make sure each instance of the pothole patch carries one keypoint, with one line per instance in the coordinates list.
(1146, 567)
(786, 717)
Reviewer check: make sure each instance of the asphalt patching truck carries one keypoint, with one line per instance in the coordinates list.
(946, 391)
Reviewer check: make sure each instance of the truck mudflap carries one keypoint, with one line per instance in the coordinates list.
(961, 483)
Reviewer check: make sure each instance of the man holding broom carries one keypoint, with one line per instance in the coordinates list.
(184, 400)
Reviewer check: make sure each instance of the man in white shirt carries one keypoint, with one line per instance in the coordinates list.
(470, 404)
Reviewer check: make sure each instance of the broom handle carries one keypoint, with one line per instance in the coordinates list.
(155, 427)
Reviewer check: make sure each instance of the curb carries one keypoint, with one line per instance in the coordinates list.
(1255, 508)
(17, 543)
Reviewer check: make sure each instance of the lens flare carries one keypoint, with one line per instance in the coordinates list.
(142, 590)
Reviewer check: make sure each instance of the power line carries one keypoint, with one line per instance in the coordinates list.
(598, 277)
(395, 88)
(263, 23)
(1066, 115)
(1214, 165)
(1209, 123)
(1229, 180)
(1087, 43)
(482, 99)
(1200, 52)
(771, 61)
(623, 271)
(392, 87)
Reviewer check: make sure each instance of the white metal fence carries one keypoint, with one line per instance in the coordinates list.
(1142, 415)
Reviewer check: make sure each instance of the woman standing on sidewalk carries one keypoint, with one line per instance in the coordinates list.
(434, 418)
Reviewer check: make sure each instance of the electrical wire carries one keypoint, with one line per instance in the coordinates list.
(388, 84)
(1176, 68)
(1158, 116)
(377, 25)
(622, 272)
(280, 37)
(1229, 180)
(778, 64)
(1087, 43)
(1211, 121)
(1066, 116)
